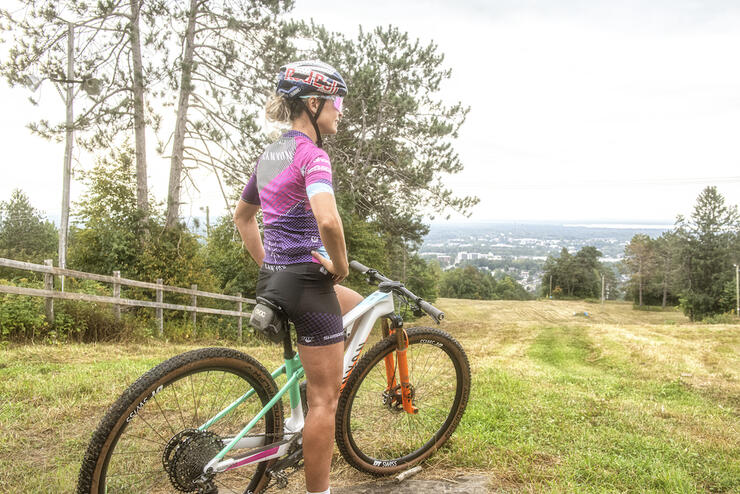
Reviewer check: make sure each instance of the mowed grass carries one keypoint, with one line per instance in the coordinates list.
(619, 401)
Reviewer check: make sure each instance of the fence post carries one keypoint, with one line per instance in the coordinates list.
(160, 315)
(194, 303)
(49, 285)
(117, 294)
(239, 308)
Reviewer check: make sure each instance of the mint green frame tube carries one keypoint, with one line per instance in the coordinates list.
(293, 369)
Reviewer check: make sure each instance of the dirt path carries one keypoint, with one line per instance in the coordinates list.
(460, 485)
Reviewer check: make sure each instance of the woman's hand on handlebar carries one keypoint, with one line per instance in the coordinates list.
(338, 272)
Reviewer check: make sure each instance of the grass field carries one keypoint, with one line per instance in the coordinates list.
(616, 401)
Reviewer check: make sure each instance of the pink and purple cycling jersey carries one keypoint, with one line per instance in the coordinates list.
(290, 171)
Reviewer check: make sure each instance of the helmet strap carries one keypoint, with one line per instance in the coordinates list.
(314, 119)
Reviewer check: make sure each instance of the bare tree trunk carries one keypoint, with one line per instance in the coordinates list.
(178, 144)
(665, 292)
(639, 274)
(665, 283)
(142, 191)
(405, 258)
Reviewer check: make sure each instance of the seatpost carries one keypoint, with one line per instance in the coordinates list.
(288, 352)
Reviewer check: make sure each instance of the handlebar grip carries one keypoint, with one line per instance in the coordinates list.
(358, 266)
(434, 312)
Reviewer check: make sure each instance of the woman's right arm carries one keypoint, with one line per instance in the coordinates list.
(245, 218)
(332, 235)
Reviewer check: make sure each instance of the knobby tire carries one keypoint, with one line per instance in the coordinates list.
(126, 450)
(383, 440)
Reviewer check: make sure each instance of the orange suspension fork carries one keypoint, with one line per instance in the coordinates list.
(402, 345)
(390, 364)
(403, 370)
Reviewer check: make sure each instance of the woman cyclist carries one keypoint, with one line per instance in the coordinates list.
(304, 258)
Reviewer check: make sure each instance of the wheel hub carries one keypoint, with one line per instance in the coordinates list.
(393, 400)
(185, 456)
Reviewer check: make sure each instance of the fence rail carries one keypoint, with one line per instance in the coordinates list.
(50, 294)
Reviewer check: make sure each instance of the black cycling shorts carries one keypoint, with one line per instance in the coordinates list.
(306, 293)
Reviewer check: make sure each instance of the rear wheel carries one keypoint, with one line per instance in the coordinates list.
(149, 441)
(373, 432)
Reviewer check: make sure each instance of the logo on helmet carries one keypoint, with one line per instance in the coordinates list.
(313, 79)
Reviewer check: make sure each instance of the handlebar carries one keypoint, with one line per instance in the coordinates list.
(358, 266)
(433, 312)
(374, 276)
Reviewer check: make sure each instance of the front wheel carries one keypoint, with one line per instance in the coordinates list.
(149, 441)
(373, 432)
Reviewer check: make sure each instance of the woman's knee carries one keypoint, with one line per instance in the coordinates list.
(325, 397)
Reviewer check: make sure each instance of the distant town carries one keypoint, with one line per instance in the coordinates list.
(519, 250)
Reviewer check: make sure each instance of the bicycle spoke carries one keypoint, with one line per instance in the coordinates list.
(195, 402)
(172, 429)
(179, 409)
(141, 417)
(213, 411)
(200, 393)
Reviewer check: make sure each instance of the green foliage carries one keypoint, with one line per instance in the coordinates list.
(21, 317)
(471, 283)
(691, 265)
(708, 247)
(365, 243)
(394, 145)
(508, 289)
(24, 233)
(109, 234)
(423, 277)
(724, 318)
(578, 276)
(229, 262)
(467, 282)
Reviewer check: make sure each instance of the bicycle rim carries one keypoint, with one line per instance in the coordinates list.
(180, 399)
(382, 439)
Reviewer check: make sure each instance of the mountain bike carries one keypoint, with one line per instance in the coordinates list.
(211, 420)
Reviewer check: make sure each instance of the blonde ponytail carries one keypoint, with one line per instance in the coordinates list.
(279, 109)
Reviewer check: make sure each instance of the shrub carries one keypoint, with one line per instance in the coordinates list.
(726, 318)
(21, 316)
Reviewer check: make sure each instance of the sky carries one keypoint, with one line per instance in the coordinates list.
(587, 111)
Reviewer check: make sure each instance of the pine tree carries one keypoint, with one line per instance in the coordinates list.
(25, 235)
(708, 243)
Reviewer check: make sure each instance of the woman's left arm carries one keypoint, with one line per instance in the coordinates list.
(245, 218)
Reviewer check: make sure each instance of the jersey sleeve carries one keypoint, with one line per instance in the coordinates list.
(317, 175)
(250, 194)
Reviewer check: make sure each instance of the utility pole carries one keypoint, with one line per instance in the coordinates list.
(550, 286)
(602, 288)
(67, 173)
(737, 289)
(208, 222)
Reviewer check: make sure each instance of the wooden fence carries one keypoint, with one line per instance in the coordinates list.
(159, 288)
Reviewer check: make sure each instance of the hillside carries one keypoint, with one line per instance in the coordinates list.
(621, 400)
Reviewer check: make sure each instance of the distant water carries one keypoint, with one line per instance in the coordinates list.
(622, 226)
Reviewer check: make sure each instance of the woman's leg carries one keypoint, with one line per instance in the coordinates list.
(323, 367)
(347, 297)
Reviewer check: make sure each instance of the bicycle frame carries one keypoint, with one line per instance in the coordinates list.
(373, 307)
